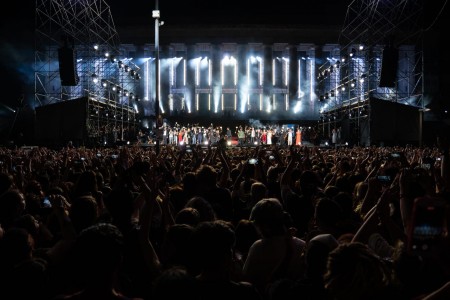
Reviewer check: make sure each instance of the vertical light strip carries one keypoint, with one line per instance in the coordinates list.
(209, 102)
(209, 72)
(299, 77)
(184, 72)
(311, 80)
(261, 101)
(172, 71)
(197, 100)
(221, 71)
(248, 72)
(235, 102)
(197, 73)
(286, 72)
(159, 90)
(147, 78)
(235, 72)
(273, 72)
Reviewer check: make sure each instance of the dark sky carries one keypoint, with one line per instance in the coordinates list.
(231, 11)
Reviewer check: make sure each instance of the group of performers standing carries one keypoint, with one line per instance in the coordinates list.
(245, 135)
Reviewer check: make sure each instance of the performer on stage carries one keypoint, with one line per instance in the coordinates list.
(289, 137)
(298, 137)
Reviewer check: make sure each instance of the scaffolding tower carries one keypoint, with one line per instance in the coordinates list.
(379, 54)
(78, 39)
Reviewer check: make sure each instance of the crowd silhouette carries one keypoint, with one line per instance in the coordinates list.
(264, 222)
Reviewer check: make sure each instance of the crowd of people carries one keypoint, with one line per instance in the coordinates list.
(264, 222)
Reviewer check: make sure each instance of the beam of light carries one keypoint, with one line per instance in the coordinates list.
(273, 72)
(197, 96)
(311, 80)
(286, 71)
(235, 72)
(209, 72)
(260, 103)
(299, 78)
(297, 107)
(197, 72)
(261, 70)
(248, 71)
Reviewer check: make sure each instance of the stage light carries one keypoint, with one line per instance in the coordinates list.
(94, 78)
(352, 52)
(104, 83)
(96, 47)
(121, 64)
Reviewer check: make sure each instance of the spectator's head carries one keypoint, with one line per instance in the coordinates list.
(175, 283)
(6, 182)
(268, 215)
(188, 215)
(309, 182)
(316, 255)
(246, 235)
(99, 249)
(355, 272)
(258, 191)
(12, 206)
(206, 177)
(83, 212)
(327, 213)
(16, 246)
(120, 205)
(204, 208)
(86, 183)
(176, 246)
(213, 244)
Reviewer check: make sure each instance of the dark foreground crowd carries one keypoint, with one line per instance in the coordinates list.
(225, 223)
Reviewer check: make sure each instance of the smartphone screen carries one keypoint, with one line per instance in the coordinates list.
(384, 178)
(428, 225)
(253, 161)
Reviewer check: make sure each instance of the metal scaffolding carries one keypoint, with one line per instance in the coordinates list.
(379, 40)
(96, 60)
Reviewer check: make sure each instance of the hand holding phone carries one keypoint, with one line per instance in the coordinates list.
(428, 225)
